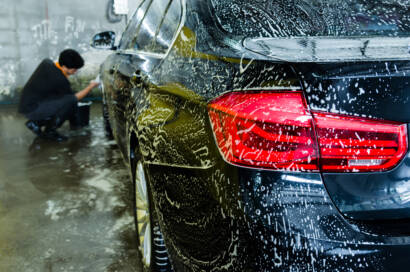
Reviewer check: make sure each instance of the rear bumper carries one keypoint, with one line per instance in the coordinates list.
(314, 255)
(297, 228)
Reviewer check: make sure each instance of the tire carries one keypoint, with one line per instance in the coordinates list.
(106, 120)
(151, 246)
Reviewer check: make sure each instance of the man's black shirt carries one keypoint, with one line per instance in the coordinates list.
(46, 83)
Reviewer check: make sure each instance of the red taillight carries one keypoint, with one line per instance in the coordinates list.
(265, 129)
(274, 129)
(350, 144)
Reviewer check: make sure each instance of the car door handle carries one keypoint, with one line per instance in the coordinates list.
(136, 77)
(112, 69)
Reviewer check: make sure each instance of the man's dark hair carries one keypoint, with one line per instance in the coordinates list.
(71, 59)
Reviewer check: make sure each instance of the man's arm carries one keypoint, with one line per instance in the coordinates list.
(81, 94)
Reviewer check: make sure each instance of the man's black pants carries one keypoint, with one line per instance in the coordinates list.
(63, 108)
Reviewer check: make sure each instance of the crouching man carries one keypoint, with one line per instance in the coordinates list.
(47, 99)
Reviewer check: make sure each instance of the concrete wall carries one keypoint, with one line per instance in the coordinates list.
(31, 30)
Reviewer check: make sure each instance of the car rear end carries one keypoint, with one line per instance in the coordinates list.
(316, 128)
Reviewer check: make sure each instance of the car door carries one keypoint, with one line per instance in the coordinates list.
(137, 56)
(157, 33)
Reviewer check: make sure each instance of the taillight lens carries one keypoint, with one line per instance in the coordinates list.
(265, 129)
(275, 130)
(349, 144)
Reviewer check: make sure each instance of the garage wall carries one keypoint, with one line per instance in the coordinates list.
(31, 30)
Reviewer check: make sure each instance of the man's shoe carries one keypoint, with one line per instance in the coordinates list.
(34, 126)
(53, 135)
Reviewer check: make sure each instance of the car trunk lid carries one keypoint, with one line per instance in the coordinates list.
(378, 90)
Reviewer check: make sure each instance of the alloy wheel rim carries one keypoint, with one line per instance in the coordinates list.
(142, 215)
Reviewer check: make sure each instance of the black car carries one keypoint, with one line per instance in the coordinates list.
(265, 135)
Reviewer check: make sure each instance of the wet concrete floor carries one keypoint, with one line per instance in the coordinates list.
(63, 206)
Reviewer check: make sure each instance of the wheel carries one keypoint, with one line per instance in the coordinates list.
(154, 255)
(107, 125)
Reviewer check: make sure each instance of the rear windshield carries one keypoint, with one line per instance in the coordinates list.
(304, 18)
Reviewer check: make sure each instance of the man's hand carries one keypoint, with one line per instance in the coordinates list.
(94, 84)
(81, 94)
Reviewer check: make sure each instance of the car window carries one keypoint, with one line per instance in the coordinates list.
(128, 37)
(153, 26)
(145, 39)
(168, 27)
(305, 18)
